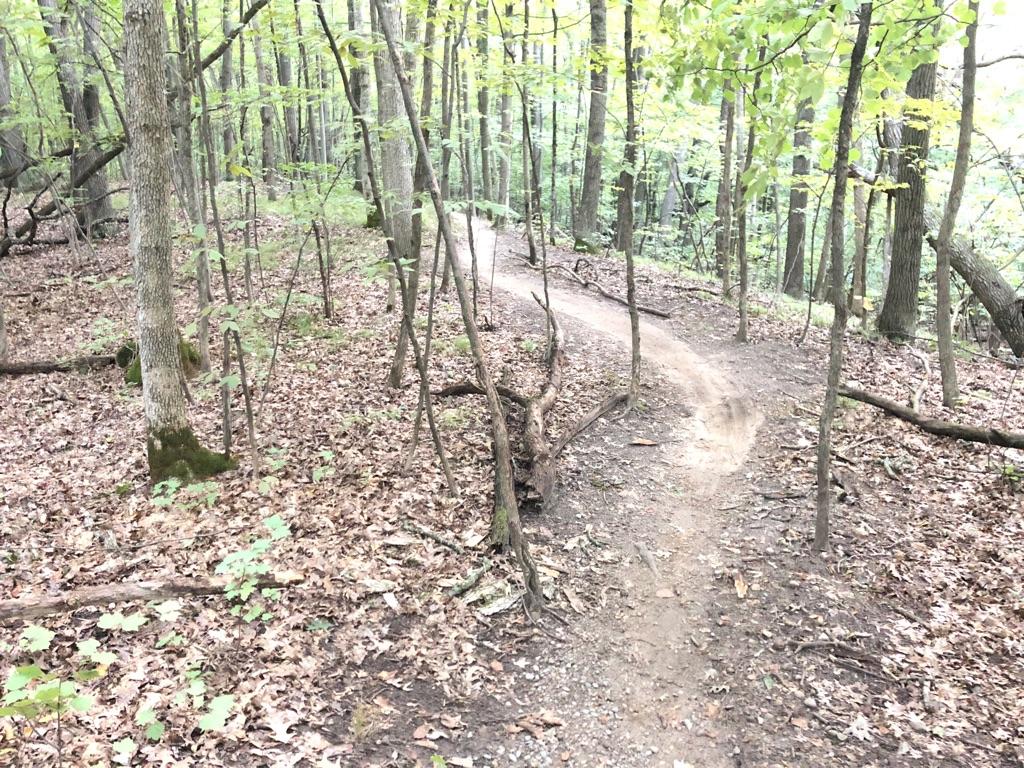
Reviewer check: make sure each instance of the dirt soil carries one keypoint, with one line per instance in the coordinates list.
(691, 626)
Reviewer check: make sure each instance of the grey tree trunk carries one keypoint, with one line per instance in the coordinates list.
(171, 446)
(185, 176)
(3, 335)
(286, 79)
(12, 143)
(396, 158)
(723, 203)
(590, 189)
(943, 308)
(268, 157)
(361, 93)
(505, 138)
(838, 331)
(483, 103)
(796, 227)
(226, 83)
(93, 196)
(898, 318)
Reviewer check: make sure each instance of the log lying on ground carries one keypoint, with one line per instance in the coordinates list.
(87, 363)
(589, 283)
(33, 607)
(989, 436)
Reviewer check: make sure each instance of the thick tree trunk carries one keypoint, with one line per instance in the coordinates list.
(860, 250)
(796, 228)
(286, 79)
(723, 203)
(590, 191)
(361, 92)
(1005, 305)
(79, 364)
(94, 191)
(172, 447)
(12, 144)
(838, 331)
(898, 318)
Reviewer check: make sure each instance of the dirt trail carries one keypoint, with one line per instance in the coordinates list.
(652, 667)
(726, 421)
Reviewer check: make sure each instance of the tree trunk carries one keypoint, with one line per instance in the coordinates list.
(483, 102)
(268, 156)
(625, 209)
(172, 447)
(860, 250)
(741, 206)
(12, 143)
(723, 203)
(227, 85)
(943, 308)
(553, 201)
(505, 138)
(796, 228)
(94, 192)
(396, 159)
(590, 191)
(671, 198)
(898, 318)
(419, 184)
(838, 332)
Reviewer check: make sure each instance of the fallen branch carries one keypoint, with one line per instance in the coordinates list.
(999, 437)
(130, 591)
(541, 479)
(80, 364)
(471, 580)
(426, 533)
(596, 286)
(601, 409)
(468, 388)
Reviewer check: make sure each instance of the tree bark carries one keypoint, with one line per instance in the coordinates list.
(505, 105)
(483, 102)
(988, 435)
(590, 191)
(80, 364)
(838, 331)
(172, 447)
(12, 143)
(943, 308)
(94, 190)
(24, 608)
(268, 155)
(898, 318)
(796, 224)
(723, 203)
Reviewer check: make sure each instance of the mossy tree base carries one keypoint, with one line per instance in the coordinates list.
(177, 453)
(584, 246)
(499, 534)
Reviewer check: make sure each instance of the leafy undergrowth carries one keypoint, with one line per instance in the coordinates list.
(319, 671)
(906, 643)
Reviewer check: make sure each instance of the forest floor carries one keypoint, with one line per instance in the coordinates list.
(701, 630)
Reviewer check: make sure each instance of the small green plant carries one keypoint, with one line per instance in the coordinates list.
(246, 566)
(324, 470)
(528, 345)
(1012, 475)
(105, 334)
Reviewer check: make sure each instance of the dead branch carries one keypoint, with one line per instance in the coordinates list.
(468, 388)
(541, 479)
(601, 409)
(584, 282)
(989, 436)
(426, 533)
(34, 606)
(80, 364)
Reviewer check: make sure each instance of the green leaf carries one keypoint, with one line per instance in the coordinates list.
(36, 638)
(155, 731)
(22, 676)
(81, 703)
(217, 715)
(125, 746)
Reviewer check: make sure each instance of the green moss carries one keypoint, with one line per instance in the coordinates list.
(127, 357)
(584, 246)
(499, 536)
(177, 453)
(372, 218)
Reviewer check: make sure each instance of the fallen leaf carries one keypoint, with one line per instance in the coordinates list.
(741, 585)
(642, 441)
(574, 600)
